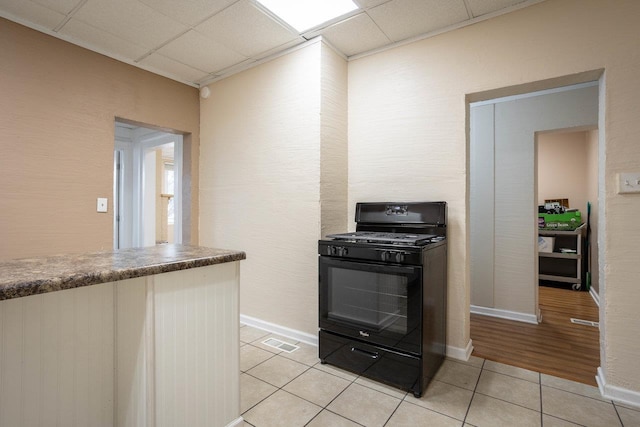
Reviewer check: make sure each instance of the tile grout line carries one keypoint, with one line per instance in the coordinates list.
(464, 421)
(308, 367)
(260, 379)
(394, 411)
(615, 408)
(540, 388)
(475, 392)
(300, 397)
(332, 400)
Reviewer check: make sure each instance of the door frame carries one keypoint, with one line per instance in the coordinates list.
(132, 142)
(597, 76)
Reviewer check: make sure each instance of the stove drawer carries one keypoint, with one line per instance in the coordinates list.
(396, 369)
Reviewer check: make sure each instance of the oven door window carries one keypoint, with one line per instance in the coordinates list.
(375, 302)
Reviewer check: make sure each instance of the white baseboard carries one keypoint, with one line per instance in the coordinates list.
(617, 394)
(236, 423)
(460, 353)
(595, 296)
(280, 330)
(505, 314)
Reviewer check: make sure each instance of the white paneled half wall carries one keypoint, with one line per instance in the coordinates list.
(159, 350)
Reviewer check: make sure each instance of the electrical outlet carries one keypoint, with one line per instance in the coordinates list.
(628, 182)
(102, 204)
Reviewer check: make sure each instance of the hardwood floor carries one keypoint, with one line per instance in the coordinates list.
(555, 347)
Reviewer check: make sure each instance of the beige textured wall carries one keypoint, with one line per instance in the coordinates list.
(408, 134)
(334, 149)
(562, 168)
(57, 112)
(264, 133)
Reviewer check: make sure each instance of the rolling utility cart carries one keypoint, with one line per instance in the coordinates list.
(563, 256)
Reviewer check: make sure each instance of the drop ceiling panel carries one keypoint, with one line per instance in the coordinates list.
(402, 19)
(200, 52)
(102, 41)
(189, 12)
(200, 40)
(355, 35)
(482, 7)
(278, 49)
(227, 71)
(130, 20)
(173, 68)
(369, 3)
(60, 6)
(246, 29)
(31, 12)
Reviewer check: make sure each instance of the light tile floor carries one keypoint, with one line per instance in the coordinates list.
(293, 389)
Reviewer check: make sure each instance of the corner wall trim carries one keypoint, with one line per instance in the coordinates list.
(280, 330)
(595, 296)
(460, 353)
(505, 314)
(617, 394)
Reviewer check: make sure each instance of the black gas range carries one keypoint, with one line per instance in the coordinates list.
(383, 294)
(401, 248)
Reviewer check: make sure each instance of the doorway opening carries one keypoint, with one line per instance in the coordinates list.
(148, 179)
(567, 194)
(503, 206)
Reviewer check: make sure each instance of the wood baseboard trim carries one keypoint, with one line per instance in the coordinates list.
(505, 314)
(615, 393)
(280, 330)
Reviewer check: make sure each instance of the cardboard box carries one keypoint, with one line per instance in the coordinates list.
(545, 243)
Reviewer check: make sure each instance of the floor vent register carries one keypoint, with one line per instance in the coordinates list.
(585, 322)
(280, 345)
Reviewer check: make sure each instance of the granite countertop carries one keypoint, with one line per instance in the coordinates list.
(31, 276)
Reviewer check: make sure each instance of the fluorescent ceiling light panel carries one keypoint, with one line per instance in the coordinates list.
(305, 14)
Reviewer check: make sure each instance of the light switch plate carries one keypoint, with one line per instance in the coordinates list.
(628, 182)
(102, 204)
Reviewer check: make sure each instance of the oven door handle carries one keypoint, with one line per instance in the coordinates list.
(371, 354)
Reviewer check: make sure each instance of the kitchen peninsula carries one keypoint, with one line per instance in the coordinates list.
(134, 337)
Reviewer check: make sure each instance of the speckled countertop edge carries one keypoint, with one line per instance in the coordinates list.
(32, 276)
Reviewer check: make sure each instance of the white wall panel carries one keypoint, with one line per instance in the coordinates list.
(131, 355)
(57, 359)
(11, 375)
(197, 347)
(32, 390)
(153, 351)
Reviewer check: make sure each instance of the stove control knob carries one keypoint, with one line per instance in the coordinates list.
(399, 257)
(341, 251)
(331, 250)
(384, 255)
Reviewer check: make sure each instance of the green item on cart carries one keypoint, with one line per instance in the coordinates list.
(565, 221)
